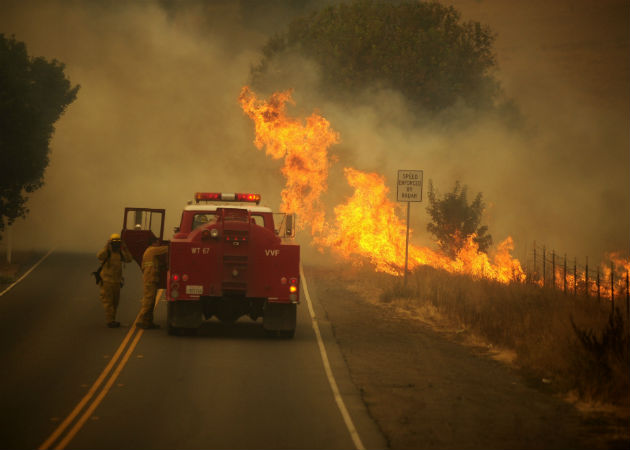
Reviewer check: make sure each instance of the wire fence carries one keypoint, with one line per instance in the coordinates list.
(608, 280)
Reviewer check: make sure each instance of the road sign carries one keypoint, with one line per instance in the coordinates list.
(409, 188)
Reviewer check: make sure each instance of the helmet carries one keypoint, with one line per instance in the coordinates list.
(114, 237)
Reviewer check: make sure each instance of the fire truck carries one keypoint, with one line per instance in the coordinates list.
(229, 257)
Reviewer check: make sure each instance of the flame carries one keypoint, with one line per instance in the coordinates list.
(612, 276)
(304, 147)
(368, 226)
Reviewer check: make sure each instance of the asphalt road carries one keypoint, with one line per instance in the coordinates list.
(227, 387)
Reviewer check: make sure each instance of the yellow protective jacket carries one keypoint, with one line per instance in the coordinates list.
(150, 263)
(112, 269)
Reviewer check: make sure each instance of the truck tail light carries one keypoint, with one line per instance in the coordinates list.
(293, 285)
(175, 277)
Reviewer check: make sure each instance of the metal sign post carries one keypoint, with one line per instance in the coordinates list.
(409, 189)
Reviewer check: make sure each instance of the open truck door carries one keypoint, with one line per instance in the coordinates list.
(140, 226)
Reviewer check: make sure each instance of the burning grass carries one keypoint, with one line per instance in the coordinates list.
(574, 345)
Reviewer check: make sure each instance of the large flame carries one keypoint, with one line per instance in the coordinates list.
(304, 147)
(368, 225)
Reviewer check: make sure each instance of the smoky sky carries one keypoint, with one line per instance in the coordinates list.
(157, 119)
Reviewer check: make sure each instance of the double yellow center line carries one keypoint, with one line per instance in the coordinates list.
(88, 404)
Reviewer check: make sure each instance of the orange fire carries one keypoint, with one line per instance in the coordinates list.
(368, 226)
(304, 147)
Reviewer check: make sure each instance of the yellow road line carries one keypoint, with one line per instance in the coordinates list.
(97, 401)
(354, 434)
(77, 409)
(86, 399)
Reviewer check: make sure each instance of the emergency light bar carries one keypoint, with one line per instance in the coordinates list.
(221, 196)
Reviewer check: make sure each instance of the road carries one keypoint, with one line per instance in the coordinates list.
(228, 387)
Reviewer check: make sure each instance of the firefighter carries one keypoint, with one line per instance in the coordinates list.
(112, 257)
(151, 272)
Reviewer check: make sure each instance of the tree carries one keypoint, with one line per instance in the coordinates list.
(34, 93)
(421, 49)
(454, 220)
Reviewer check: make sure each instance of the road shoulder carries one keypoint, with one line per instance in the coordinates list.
(425, 390)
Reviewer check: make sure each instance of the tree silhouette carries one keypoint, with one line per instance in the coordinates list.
(454, 220)
(421, 49)
(34, 93)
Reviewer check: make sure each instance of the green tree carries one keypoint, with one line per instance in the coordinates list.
(34, 93)
(421, 49)
(454, 220)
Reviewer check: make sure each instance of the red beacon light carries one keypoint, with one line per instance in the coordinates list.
(255, 198)
(218, 196)
(207, 196)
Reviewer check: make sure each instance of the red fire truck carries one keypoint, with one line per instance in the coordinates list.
(229, 257)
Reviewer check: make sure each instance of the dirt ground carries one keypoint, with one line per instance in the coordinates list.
(426, 389)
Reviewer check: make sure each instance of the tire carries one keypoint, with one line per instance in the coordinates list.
(280, 334)
(287, 334)
(170, 316)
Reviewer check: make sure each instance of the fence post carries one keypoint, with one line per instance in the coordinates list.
(534, 274)
(564, 276)
(553, 267)
(612, 285)
(586, 279)
(544, 268)
(598, 285)
(575, 276)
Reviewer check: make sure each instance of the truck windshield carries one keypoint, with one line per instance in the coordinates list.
(203, 219)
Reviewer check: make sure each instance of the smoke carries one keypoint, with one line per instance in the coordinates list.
(157, 118)
(562, 179)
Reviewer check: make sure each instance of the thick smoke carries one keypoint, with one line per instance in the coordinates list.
(562, 179)
(157, 119)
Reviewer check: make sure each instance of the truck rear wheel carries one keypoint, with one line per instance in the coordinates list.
(287, 334)
(170, 318)
(279, 319)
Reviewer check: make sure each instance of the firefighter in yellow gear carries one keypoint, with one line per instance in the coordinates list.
(151, 272)
(112, 257)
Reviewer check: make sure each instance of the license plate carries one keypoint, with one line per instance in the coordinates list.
(192, 289)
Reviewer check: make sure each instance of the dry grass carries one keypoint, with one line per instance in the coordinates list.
(572, 343)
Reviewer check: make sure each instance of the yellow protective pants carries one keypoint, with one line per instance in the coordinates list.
(110, 296)
(148, 304)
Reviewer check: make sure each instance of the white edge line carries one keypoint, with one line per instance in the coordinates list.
(354, 434)
(28, 271)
